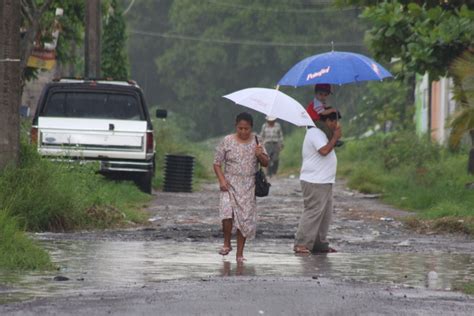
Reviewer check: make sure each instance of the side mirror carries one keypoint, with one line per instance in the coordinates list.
(161, 113)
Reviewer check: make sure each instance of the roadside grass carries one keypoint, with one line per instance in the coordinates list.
(409, 172)
(413, 174)
(41, 195)
(17, 251)
(290, 156)
(51, 196)
(467, 288)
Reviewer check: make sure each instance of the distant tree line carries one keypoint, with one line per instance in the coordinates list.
(434, 37)
(186, 54)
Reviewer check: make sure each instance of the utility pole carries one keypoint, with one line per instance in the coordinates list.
(92, 45)
(9, 82)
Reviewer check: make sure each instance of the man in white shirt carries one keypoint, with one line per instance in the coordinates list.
(318, 174)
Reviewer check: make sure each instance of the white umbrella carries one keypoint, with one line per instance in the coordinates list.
(272, 103)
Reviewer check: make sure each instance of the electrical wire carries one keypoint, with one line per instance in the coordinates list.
(9, 60)
(129, 7)
(242, 42)
(299, 11)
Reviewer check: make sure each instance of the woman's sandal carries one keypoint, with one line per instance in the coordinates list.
(225, 251)
(328, 250)
(301, 249)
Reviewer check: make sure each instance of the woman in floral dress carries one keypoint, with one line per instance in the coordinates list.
(238, 153)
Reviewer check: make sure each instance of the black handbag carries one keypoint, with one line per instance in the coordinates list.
(262, 186)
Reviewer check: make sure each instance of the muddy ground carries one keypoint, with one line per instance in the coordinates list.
(381, 267)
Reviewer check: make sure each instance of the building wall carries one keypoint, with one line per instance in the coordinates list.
(436, 112)
(421, 104)
(442, 107)
(436, 123)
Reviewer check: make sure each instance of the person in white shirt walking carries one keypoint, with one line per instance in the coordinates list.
(272, 136)
(318, 174)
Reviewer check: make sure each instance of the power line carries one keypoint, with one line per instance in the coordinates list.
(242, 42)
(128, 8)
(299, 11)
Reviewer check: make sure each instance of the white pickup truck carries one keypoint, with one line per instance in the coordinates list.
(104, 121)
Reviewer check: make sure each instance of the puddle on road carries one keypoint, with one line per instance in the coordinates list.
(103, 265)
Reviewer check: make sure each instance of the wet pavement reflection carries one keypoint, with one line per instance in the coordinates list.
(103, 265)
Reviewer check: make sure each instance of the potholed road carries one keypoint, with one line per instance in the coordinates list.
(172, 266)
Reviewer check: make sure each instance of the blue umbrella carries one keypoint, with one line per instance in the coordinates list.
(334, 68)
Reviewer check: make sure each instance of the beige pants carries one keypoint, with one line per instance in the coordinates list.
(314, 222)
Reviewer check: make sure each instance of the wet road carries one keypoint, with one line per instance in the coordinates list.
(377, 257)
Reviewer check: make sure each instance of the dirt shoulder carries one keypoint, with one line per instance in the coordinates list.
(361, 223)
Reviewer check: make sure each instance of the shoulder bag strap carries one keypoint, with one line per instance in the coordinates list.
(258, 162)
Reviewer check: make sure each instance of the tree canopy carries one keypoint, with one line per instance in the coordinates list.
(114, 57)
(202, 50)
(426, 36)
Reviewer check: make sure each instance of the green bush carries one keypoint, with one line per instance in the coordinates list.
(16, 250)
(53, 196)
(290, 156)
(366, 179)
(407, 148)
(411, 173)
(41, 195)
(467, 288)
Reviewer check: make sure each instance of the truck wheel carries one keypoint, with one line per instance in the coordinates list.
(144, 182)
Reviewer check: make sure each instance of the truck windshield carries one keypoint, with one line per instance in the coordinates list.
(94, 105)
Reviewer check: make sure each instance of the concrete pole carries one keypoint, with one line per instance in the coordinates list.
(92, 38)
(470, 163)
(9, 82)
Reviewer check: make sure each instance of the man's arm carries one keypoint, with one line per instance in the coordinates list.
(326, 149)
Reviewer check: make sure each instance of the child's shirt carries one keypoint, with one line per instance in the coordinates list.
(315, 108)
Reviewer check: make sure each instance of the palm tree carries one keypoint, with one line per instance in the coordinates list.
(463, 120)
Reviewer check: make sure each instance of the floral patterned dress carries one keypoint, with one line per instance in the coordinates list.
(240, 165)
